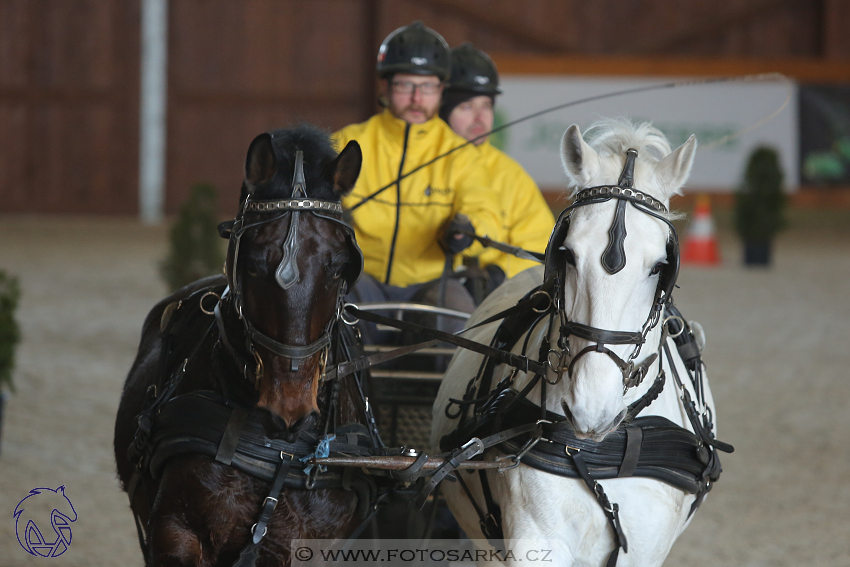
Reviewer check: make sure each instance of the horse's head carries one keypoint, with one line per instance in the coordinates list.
(290, 260)
(617, 258)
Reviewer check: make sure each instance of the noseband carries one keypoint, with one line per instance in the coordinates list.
(613, 260)
(286, 274)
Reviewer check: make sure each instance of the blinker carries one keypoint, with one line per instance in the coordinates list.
(226, 228)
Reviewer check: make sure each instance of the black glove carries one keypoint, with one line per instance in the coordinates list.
(453, 240)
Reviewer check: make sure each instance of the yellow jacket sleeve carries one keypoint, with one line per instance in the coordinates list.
(526, 218)
(399, 230)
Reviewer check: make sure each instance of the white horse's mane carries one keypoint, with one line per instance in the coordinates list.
(611, 137)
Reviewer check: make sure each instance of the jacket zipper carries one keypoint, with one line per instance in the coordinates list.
(397, 204)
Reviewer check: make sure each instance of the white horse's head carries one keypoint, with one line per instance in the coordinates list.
(613, 255)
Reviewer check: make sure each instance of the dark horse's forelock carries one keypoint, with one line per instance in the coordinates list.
(318, 152)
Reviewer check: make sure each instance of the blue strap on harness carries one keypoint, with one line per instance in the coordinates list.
(323, 450)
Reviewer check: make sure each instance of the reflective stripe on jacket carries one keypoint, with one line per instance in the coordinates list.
(527, 219)
(399, 229)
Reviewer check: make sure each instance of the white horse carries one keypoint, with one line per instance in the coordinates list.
(609, 283)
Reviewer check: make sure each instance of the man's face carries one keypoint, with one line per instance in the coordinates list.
(413, 98)
(473, 118)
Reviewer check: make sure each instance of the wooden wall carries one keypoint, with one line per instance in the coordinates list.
(69, 73)
(69, 106)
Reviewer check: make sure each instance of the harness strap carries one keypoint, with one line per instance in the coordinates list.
(601, 335)
(491, 524)
(612, 511)
(230, 439)
(470, 449)
(516, 361)
(634, 438)
(248, 557)
(284, 350)
(525, 305)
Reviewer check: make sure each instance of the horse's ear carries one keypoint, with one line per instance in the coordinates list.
(581, 162)
(260, 165)
(674, 169)
(345, 169)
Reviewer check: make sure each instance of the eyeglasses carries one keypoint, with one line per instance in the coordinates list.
(408, 87)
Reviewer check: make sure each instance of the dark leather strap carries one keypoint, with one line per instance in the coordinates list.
(612, 511)
(531, 303)
(346, 368)
(227, 446)
(248, 556)
(601, 335)
(516, 361)
(472, 448)
(634, 437)
(270, 503)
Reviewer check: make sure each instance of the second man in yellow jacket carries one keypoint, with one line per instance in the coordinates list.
(467, 106)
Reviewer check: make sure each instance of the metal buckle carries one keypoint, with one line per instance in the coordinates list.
(272, 499)
(258, 371)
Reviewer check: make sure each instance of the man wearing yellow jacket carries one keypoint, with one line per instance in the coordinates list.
(407, 227)
(467, 106)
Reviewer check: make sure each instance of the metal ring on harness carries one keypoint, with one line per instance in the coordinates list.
(548, 298)
(560, 369)
(201, 302)
(342, 314)
(675, 318)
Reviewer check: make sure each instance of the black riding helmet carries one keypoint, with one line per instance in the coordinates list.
(473, 70)
(414, 49)
(473, 74)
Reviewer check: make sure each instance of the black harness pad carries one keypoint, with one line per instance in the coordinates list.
(197, 423)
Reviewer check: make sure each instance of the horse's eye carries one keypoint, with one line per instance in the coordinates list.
(335, 271)
(251, 269)
(657, 268)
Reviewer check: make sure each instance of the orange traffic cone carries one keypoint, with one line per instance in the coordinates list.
(701, 243)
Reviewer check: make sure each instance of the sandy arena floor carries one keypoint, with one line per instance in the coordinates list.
(777, 357)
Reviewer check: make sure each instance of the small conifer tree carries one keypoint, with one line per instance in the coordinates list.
(10, 333)
(196, 250)
(760, 201)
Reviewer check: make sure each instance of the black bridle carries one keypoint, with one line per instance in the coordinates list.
(286, 274)
(613, 260)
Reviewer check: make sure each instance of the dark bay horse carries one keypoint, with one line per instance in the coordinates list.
(226, 392)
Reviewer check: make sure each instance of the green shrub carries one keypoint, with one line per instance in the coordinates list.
(10, 333)
(196, 250)
(760, 201)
